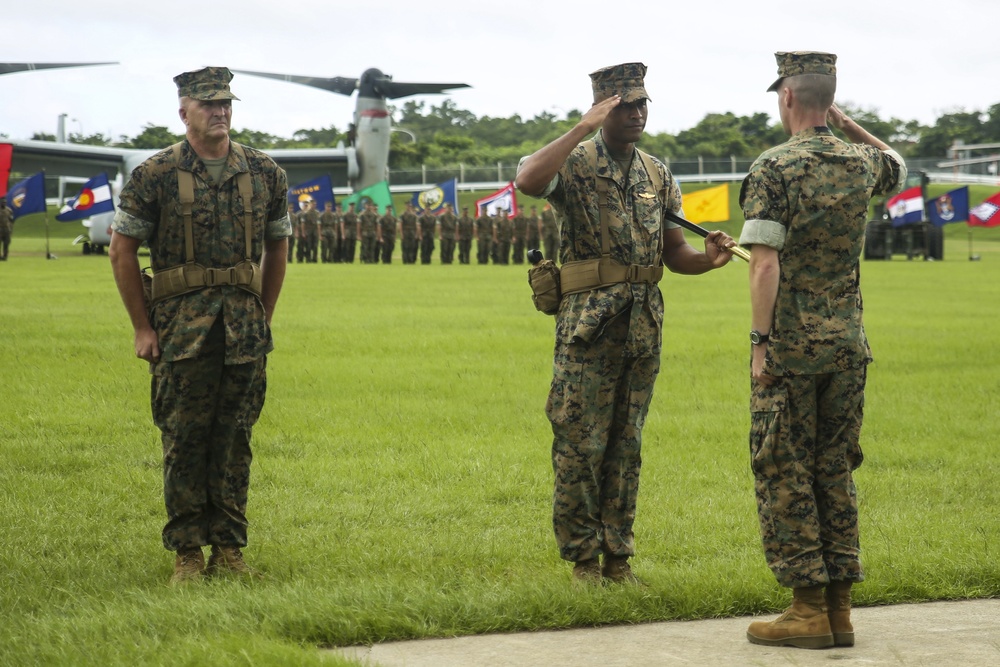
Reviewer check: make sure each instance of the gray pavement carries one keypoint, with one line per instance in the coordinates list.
(937, 634)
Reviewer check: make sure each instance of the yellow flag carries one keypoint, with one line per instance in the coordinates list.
(708, 205)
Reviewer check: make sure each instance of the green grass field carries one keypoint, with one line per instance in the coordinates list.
(402, 482)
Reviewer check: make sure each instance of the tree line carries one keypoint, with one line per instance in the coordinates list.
(447, 135)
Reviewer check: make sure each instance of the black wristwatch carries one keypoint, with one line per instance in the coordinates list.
(757, 337)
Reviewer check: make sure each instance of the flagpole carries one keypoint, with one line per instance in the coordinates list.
(48, 254)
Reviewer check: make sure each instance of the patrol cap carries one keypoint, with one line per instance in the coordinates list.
(625, 80)
(793, 63)
(206, 84)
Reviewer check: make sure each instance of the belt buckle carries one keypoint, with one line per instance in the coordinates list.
(633, 273)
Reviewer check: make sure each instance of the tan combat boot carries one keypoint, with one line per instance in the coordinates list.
(228, 560)
(587, 571)
(804, 625)
(838, 603)
(188, 566)
(618, 571)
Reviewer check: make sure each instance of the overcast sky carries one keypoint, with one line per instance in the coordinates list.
(915, 60)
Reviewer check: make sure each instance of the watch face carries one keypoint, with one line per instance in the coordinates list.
(755, 338)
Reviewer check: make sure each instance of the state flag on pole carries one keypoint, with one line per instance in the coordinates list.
(433, 199)
(707, 205)
(28, 196)
(986, 214)
(94, 198)
(952, 206)
(378, 194)
(906, 207)
(503, 199)
(319, 191)
(6, 155)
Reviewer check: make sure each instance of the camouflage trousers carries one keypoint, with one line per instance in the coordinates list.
(464, 249)
(447, 251)
(597, 406)
(205, 411)
(426, 248)
(804, 434)
(483, 251)
(388, 246)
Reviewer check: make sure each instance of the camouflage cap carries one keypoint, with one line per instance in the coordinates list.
(625, 80)
(793, 63)
(206, 84)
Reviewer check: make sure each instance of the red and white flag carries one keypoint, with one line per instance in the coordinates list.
(986, 214)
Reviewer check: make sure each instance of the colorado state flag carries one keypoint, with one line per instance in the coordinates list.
(94, 198)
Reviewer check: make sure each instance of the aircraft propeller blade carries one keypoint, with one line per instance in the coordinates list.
(396, 89)
(337, 84)
(10, 68)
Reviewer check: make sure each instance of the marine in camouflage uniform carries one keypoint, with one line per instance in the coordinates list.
(449, 227)
(504, 232)
(348, 234)
(310, 226)
(533, 232)
(428, 225)
(294, 222)
(550, 233)
(207, 347)
(329, 224)
(387, 223)
(519, 225)
(466, 229)
(806, 204)
(608, 340)
(369, 233)
(484, 237)
(408, 230)
(6, 227)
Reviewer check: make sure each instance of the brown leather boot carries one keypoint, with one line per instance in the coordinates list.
(228, 560)
(804, 625)
(838, 603)
(587, 571)
(618, 571)
(188, 566)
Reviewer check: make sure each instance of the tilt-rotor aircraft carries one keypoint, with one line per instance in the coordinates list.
(372, 122)
(364, 162)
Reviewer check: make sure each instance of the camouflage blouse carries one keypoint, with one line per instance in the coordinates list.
(150, 210)
(808, 199)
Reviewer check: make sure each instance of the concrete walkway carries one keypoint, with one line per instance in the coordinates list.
(935, 634)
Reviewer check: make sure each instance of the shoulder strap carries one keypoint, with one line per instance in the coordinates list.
(245, 186)
(590, 148)
(185, 189)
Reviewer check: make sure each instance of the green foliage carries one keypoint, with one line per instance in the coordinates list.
(153, 137)
(402, 482)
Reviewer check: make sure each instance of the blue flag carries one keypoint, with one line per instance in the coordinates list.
(318, 190)
(94, 198)
(28, 196)
(434, 199)
(952, 206)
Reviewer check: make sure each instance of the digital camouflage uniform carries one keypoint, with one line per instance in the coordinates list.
(504, 228)
(484, 237)
(607, 353)
(368, 220)
(427, 223)
(293, 220)
(329, 224)
(388, 224)
(449, 226)
(309, 223)
(208, 388)
(520, 229)
(349, 237)
(408, 229)
(808, 199)
(6, 227)
(532, 237)
(550, 233)
(466, 229)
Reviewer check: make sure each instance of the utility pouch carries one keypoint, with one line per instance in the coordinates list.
(543, 278)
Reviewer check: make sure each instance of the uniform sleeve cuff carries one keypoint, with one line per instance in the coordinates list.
(763, 232)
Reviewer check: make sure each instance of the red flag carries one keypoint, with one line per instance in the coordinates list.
(6, 153)
(504, 199)
(986, 214)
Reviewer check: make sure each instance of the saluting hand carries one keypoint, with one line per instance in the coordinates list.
(596, 114)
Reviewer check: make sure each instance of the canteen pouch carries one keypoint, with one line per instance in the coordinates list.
(544, 281)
